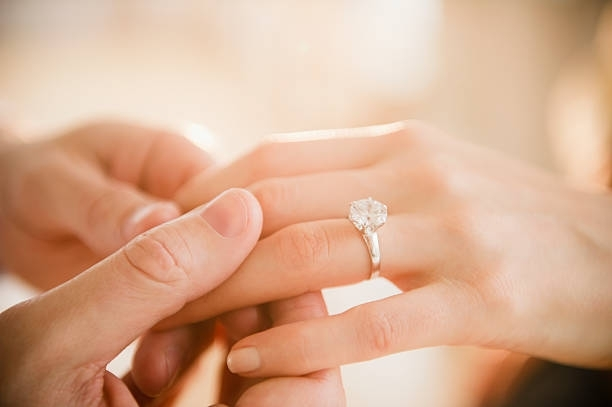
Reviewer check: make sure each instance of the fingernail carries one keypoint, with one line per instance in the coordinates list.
(218, 405)
(135, 225)
(227, 213)
(243, 360)
(174, 359)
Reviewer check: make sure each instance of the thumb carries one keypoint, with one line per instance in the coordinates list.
(91, 318)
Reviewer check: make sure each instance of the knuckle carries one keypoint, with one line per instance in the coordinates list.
(380, 334)
(441, 175)
(465, 238)
(431, 167)
(437, 178)
(398, 140)
(150, 257)
(434, 169)
(304, 247)
(460, 226)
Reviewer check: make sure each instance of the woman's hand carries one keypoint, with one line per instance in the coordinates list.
(55, 347)
(67, 202)
(322, 388)
(487, 252)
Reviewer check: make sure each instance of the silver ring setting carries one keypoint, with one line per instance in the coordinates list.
(368, 215)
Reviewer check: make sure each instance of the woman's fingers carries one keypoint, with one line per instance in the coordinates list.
(327, 195)
(310, 256)
(322, 388)
(273, 160)
(277, 268)
(300, 308)
(432, 315)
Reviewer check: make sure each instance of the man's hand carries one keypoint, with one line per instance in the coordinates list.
(55, 347)
(67, 202)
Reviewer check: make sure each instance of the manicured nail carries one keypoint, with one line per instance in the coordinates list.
(243, 360)
(218, 405)
(227, 213)
(138, 223)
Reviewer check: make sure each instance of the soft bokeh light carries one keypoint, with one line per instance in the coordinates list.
(229, 73)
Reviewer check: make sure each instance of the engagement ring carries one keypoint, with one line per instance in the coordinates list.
(368, 215)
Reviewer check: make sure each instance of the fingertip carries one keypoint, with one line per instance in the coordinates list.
(233, 212)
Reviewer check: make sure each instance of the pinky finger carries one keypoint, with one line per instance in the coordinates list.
(429, 316)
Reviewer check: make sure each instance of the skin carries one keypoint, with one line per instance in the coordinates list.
(82, 200)
(71, 200)
(321, 388)
(55, 356)
(487, 251)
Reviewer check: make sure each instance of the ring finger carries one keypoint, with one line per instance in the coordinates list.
(310, 256)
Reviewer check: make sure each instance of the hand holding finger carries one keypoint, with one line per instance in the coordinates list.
(321, 388)
(121, 297)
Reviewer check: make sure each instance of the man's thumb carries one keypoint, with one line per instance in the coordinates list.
(96, 314)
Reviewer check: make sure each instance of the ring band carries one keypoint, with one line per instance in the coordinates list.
(371, 241)
(368, 215)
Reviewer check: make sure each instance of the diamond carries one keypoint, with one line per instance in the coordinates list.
(368, 215)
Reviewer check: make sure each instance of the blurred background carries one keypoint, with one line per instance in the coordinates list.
(527, 77)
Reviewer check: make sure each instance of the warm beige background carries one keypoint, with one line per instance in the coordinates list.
(239, 70)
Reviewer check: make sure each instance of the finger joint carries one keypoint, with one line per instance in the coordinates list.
(304, 247)
(150, 257)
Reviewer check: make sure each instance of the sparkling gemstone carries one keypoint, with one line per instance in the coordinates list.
(368, 215)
